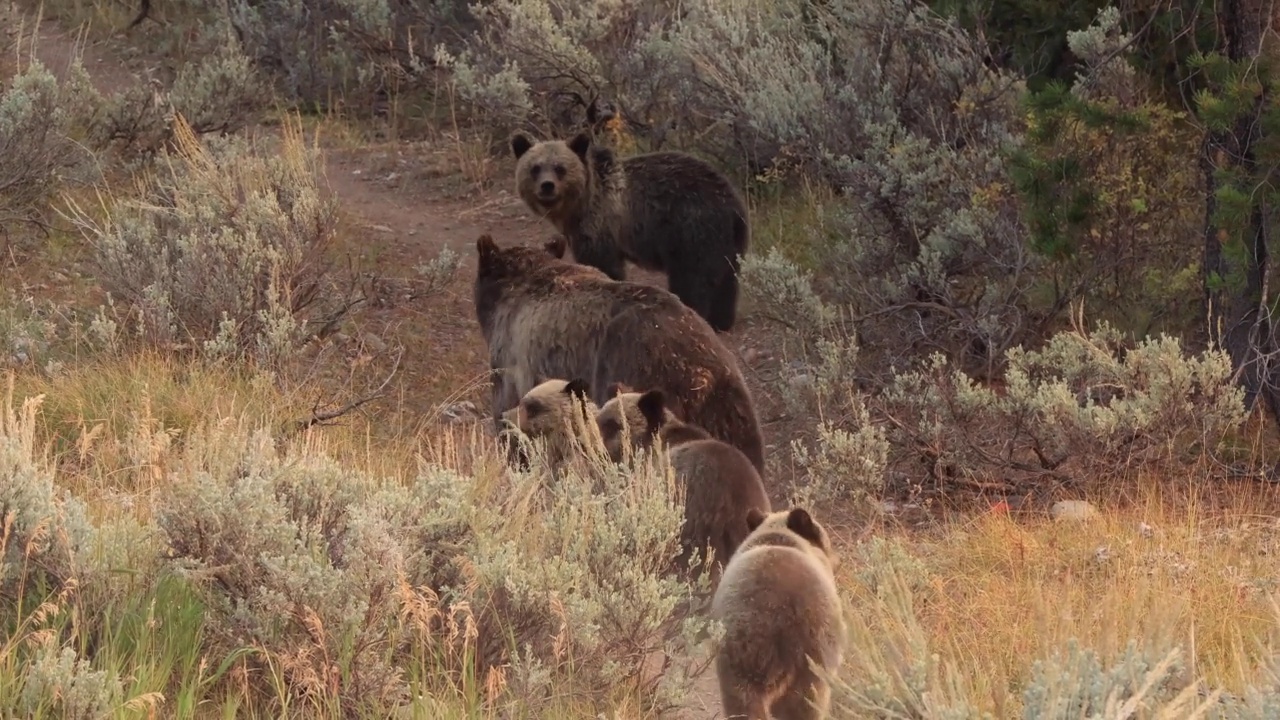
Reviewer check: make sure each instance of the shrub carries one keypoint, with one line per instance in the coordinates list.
(342, 579)
(39, 120)
(42, 530)
(1084, 398)
(1129, 245)
(316, 52)
(225, 248)
(219, 90)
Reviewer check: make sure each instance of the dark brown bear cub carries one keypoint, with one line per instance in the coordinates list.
(665, 211)
(719, 481)
(547, 318)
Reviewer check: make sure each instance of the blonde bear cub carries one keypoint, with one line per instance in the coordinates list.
(779, 605)
(547, 412)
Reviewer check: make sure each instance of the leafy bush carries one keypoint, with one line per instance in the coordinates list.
(226, 247)
(342, 576)
(1083, 398)
(219, 90)
(39, 121)
(1106, 177)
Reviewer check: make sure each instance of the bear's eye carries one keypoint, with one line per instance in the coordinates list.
(609, 428)
(536, 170)
(533, 409)
(560, 171)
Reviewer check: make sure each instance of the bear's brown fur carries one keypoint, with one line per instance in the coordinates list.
(720, 483)
(779, 606)
(556, 412)
(542, 317)
(665, 211)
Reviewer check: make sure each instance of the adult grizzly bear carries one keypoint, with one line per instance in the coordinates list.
(542, 317)
(664, 211)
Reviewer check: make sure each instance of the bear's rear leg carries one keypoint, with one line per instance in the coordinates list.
(697, 291)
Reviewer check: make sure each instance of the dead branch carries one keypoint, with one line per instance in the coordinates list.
(326, 417)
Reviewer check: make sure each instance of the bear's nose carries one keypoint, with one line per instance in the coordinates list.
(547, 187)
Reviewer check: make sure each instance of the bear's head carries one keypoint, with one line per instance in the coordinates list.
(794, 527)
(643, 413)
(547, 410)
(515, 261)
(552, 176)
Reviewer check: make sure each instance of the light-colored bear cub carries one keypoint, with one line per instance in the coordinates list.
(780, 608)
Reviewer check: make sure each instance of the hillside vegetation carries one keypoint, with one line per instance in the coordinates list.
(1004, 255)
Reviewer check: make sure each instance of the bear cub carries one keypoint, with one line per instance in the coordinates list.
(721, 484)
(664, 211)
(778, 602)
(555, 412)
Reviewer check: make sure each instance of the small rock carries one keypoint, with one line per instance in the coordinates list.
(381, 228)
(1072, 510)
(889, 507)
(1145, 530)
(749, 356)
(373, 342)
(357, 172)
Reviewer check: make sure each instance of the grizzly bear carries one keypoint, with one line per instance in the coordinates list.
(720, 483)
(555, 412)
(780, 609)
(664, 211)
(547, 318)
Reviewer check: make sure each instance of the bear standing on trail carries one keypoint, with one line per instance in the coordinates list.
(780, 609)
(664, 211)
(547, 318)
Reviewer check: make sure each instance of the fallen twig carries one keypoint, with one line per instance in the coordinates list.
(325, 418)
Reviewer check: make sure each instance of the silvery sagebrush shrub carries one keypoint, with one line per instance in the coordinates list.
(1075, 682)
(44, 529)
(225, 248)
(60, 682)
(542, 62)
(331, 571)
(218, 90)
(1085, 397)
(899, 113)
(315, 51)
(847, 458)
(40, 119)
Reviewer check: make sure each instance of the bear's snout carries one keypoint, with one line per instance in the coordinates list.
(547, 188)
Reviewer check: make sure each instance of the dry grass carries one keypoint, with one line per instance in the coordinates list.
(990, 595)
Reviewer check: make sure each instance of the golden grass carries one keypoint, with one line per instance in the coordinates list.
(999, 592)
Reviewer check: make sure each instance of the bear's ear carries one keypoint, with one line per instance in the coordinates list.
(577, 387)
(557, 247)
(616, 389)
(652, 404)
(800, 522)
(580, 144)
(486, 248)
(754, 518)
(520, 144)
